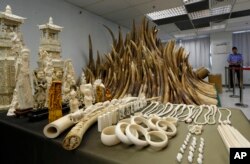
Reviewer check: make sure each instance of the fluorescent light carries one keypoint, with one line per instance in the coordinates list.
(167, 13)
(207, 13)
(212, 28)
(238, 32)
(185, 35)
(191, 1)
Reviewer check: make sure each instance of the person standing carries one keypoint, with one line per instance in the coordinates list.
(234, 60)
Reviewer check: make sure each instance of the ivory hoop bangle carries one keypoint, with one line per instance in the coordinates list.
(172, 120)
(108, 136)
(152, 123)
(157, 145)
(169, 125)
(133, 138)
(120, 133)
(138, 120)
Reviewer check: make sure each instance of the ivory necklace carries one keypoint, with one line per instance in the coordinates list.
(189, 114)
(165, 110)
(199, 113)
(146, 114)
(175, 113)
(213, 112)
(227, 121)
(145, 109)
(193, 113)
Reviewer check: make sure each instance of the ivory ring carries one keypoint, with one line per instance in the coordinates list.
(108, 136)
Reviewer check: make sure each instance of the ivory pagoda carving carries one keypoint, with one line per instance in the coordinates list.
(11, 44)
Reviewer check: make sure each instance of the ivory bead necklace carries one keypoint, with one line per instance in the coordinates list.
(165, 110)
(189, 114)
(227, 121)
(151, 111)
(193, 113)
(179, 115)
(206, 115)
(150, 105)
(174, 111)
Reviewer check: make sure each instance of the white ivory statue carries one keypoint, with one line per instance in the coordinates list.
(73, 103)
(87, 90)
(49, 70)
(13, 105)
(68, 79)
(40, 87)
(83, 79)
(24, 86)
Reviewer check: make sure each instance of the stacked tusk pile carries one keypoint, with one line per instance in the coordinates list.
(141, 65)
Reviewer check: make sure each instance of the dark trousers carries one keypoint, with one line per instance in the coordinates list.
(237, 71)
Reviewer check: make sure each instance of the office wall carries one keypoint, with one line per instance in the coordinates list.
(219, 60)
(77, 23)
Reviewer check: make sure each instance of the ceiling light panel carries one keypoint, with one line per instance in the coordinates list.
(167, 13)
(207, 13)
(221, 10)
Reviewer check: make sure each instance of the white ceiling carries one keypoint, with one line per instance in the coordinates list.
(123, 12)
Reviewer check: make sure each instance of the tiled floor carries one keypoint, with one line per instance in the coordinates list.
(227, 101)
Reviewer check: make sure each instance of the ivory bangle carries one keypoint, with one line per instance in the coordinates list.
(152, 123)
(157, 145)
(108, 136)
(120, 133)
(171, 120)
(55, 128)
(130, 131)
(138, 120)
(169, 125)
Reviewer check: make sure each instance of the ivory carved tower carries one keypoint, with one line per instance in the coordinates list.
(50, 43)
(10, 48)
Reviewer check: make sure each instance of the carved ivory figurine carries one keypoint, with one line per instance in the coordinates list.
(87, 90)
(73, 103)
(40, 87)
(25, 98)
(68, 79)
(99, 90)
(22, 98)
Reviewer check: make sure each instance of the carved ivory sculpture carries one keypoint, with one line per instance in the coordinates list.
(87, 90)
(48, 75)
(40, 87)
(68, 80)
(99, 90)
(23, 88)
(55, 101)
(73, 103)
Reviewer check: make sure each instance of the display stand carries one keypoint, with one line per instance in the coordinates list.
(233, 72)
(227, 76)
(23, 112)
(241, 104)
